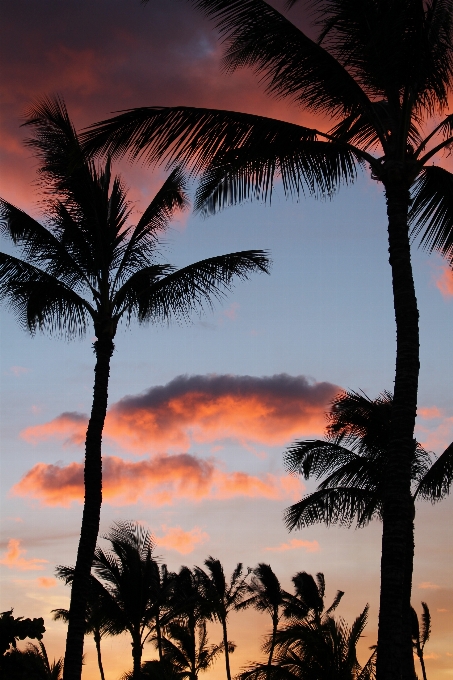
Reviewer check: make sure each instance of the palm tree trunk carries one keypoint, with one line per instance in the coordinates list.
(97, 642)
(159, 638)
(271, 652)
(227, 654)
(136, 657)
(408, 668)
(397, 505)
(91, 512)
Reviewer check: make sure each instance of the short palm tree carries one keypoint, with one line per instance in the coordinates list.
(267, 595)
(96, 623)
(31, 664)
(187, 648)
(223, 597)
(87, 266)
(308, 600)
(352, 463)
(317, 647)
(381, 71)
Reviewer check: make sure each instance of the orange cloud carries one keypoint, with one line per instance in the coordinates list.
(157, 481)
(13, 558)
(182, 541)
(294, 544)
(268, 410)
(427, 585)
(429, 413)
(44, 582)
(444, 280)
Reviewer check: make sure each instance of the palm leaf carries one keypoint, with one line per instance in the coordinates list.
(340, 505)
(432, 210)
(435, 484)
(40, 301)
(316, 457)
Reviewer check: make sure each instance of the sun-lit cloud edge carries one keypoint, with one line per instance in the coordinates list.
(13, 558)
(184, 542)
(161, 480)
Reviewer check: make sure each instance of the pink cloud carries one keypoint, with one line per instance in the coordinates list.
(44, 582)
(13, 558)
(295, 544)
(429, 413)
(427, 585)
(184, 542)
(444, 280)
(436, 438)
(156, 481)
(202, 409)
(19, 370)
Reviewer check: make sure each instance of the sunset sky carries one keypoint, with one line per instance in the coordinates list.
(200, 414)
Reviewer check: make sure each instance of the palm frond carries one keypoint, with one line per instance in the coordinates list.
(289, 62)
(431, 212)
(159, 293)
(316, 457)
(40, 301)
(436, 482)
(340, 505)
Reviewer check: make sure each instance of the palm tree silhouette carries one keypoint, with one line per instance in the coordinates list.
(267, 595)
(96, 622)
(88, 266)
(379, 70)
(353, 461)
(308, 600)
(316, 647)
(222, 596)
(420, 635)
(185, 643)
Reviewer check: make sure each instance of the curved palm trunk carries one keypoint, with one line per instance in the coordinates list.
(271, 652)
(227, 654)
(97, 642)
(397, 505)
(91, 512)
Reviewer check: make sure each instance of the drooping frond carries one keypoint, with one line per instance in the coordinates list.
(339, 505)
(358, 422)
(159, 292)
(436, 482)
(270, 152)
(289, 62)
(316, 457)
(432, 210)
(40, 301)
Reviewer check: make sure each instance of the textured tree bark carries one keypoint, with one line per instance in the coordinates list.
(408, 661)
(137, 657)
(397, 505)
(91, 512)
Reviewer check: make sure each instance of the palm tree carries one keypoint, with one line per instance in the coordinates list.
(185, 642)
(380, 70)
(267, 595)
(420, 635)
(353, 461)
(317, 647)
(31, 664)
(96, 623)
(223, 597)
(308, 600)
(87, 266)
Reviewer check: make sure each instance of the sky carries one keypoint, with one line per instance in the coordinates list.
(200, 414)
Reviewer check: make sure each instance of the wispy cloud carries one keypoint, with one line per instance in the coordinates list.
(156, 481)
(44, 582)
(19, 370)
(269, 411)
(184, 542)
(296, 544)
(427, 585)
(13, 558)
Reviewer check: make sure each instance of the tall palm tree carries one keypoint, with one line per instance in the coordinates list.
(223, 597)
(87, 266)
(352, 463)
(380, 70)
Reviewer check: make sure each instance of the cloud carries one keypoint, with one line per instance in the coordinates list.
(429, 412)
(427, 585)
(444, 280)
(19, 370)
(184, 542)
(157, 481)
(436, 438)
(295, 544)
(44, 582)
(268, 410)
(13, 558)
